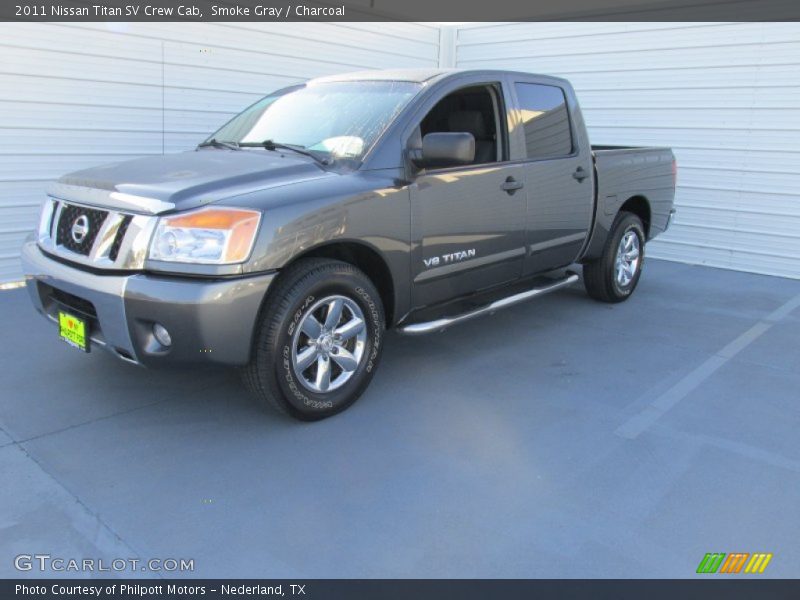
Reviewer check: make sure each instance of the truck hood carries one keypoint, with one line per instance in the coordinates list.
(186, 180)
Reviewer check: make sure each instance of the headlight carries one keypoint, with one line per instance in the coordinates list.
(218, 236)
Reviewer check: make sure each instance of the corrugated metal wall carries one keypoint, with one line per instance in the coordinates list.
(726, 97)
(73, 96)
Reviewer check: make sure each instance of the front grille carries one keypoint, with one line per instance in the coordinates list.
(70, 214)
(115, 246)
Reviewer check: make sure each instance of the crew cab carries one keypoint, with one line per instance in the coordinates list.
(325, 213)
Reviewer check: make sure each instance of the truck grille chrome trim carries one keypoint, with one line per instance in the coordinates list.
(108, 236)
(445, 322)
(122, 228)
(95, 236)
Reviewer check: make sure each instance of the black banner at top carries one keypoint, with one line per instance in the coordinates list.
(399, 10)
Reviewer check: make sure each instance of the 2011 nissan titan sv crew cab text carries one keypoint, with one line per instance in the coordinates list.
(327, 212)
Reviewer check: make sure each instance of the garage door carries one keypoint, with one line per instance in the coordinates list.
(725, 96)
(73, 96)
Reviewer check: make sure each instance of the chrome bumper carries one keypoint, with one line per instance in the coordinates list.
(670, 218)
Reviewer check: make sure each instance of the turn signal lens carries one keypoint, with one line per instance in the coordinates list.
(207, 236)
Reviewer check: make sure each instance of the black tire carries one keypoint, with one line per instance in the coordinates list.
(599, 276)
(271, 375)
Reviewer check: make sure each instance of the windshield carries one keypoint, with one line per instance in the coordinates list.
(341, 119)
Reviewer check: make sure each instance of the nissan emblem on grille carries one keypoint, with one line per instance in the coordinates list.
(80, 229)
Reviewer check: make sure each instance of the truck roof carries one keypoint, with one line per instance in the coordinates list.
(413, 75)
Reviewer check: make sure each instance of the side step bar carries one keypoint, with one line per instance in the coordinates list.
(445, 322)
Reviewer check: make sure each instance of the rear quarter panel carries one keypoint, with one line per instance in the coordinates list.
(622, 174)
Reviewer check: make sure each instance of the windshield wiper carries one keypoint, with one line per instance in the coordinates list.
(270, 145)
(219, 144)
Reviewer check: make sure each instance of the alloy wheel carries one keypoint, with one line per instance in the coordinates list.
(628, 257)
(328, 345)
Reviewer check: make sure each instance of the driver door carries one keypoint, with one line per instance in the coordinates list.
(468, 222)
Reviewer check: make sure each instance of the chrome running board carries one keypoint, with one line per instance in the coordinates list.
(445, 322)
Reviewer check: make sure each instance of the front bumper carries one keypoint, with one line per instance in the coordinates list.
(209, 320)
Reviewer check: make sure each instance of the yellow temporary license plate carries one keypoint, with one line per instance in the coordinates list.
(73, 330)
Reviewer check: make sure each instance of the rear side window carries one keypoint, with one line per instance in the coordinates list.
(545, 120)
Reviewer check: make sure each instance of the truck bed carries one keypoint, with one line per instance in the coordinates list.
(623, 173)
(606, 148)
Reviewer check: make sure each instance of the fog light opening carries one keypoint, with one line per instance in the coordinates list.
(162, 335)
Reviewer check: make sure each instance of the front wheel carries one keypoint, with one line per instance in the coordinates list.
(319, 340)
(614, 276)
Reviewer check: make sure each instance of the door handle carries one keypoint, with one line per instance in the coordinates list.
(580, 174)
(511, 185)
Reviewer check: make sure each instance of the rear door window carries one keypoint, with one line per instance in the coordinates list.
(545, 120)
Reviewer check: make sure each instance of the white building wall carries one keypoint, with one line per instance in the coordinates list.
(77, 95)
(725, 96)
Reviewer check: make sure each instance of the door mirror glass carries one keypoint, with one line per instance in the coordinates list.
(442, 149)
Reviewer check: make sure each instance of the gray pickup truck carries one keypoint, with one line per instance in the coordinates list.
(290, 240)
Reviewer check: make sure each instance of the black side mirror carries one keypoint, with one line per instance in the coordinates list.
(444, 150)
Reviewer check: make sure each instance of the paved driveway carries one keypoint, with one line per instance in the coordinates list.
(560, 438)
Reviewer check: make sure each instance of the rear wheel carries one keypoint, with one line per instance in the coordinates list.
(319, 340)
(613, 277)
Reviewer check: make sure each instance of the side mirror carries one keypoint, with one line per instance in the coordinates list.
(444, 150)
